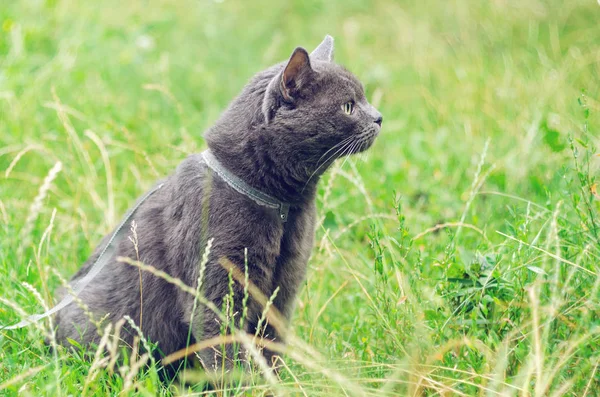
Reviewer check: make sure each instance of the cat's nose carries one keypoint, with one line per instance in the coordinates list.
(379, 119)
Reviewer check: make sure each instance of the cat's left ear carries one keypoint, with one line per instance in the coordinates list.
(295, 74)
(324, 51)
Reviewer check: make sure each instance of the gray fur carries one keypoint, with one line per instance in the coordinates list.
(324, 52)
(279, 135)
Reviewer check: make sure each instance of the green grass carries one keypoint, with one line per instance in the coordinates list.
(486, 132)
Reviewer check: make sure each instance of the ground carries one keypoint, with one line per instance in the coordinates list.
(458, 257)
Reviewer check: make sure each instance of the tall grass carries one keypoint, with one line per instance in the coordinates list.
(458, 257)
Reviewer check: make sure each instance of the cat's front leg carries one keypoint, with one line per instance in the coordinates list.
(215, 324)
(230, 319)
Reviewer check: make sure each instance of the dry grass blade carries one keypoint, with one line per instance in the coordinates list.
(322, 309)
(19, 378)
(388, 309)
(450, 224)
(37, 204)
(198, 346)
(110, 190)
(273, 315)
(568, 262)
(14, 162)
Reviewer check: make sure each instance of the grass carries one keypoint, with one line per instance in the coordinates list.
(460, 258)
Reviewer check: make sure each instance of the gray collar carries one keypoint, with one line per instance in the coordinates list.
(242, 187)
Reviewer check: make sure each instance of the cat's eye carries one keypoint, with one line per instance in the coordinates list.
(348, 107)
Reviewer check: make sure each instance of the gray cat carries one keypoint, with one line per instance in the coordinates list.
(270, 146)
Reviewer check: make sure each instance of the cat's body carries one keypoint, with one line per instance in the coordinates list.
(278, 136)
(174, 245)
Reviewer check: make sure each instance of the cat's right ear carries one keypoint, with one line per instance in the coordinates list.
(324, 52)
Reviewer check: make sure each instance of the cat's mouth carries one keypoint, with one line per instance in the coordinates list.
(351, 145)
(365, 140)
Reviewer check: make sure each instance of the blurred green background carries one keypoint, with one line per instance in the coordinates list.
(481, 101)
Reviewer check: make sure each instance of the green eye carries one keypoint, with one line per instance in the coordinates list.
(348, 107)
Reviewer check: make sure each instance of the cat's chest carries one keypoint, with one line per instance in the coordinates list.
(237, 221)
(286, 243)
(299, 234)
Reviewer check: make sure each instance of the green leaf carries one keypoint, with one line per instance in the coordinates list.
(537, 270)
(74, 343)
(553, 138)
(463, 281)
(582, 143)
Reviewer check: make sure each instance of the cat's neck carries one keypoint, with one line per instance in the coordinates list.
(258, 152)
(278, 173)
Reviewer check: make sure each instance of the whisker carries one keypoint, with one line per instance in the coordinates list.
(346, 143)
(352, 147)
(334, 146)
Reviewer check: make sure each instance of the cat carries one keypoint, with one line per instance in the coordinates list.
(277, 137)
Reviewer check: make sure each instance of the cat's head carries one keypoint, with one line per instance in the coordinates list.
(321, 104)
(293, 120)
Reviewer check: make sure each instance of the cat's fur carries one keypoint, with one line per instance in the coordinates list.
(286, 127)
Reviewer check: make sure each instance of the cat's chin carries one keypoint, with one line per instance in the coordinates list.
(365, 141)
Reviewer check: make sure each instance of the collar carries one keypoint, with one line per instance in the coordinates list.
(242, 187)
